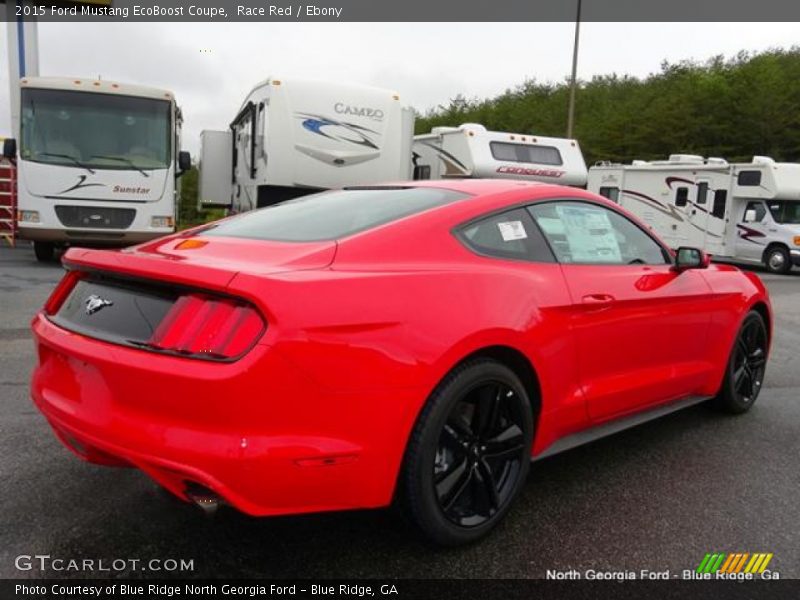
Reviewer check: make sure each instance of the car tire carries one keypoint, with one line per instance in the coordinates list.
(469, 453)
(44, 251)
(744, 374)
(777, 260)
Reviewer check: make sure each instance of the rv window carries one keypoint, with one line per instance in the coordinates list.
(759, 209)
(612, 193)
(585, 233)
(749, 178)
(422, 172)
(526, 153)
(681, 196)
(511, 234)
(702, 192)
(785, 211)
(720, 200)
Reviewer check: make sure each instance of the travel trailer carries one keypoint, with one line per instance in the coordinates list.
(97, 163)
(293, 137)
(472, 151)
(741, 212)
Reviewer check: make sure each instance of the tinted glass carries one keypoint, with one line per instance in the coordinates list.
(681, 196)
(612, 193)
(333, 215)
(761, 212)
(585, 233)
(102, 131)
(702, 192)
(720, 199)
(525, 153)
(749, 178)
(511, 234)
(785, 211)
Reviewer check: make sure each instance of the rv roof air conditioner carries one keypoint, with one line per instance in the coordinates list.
(763, 160)
(686, 159)
(477, 127)
(715, 160)
(639, 163)
(443, 129)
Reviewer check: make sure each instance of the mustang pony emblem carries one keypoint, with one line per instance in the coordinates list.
(95, 303)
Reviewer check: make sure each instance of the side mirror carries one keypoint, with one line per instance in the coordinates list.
(750, 215)
(184, 161)
(691, 258)
(10, 148)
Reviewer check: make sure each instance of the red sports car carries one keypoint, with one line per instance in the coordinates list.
(416, 341)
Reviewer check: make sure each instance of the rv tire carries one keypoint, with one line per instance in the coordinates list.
(44, 251)
(777, 259)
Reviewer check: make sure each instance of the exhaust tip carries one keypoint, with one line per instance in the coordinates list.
(207, 500)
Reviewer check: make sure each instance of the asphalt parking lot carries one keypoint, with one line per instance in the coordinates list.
(656, 497)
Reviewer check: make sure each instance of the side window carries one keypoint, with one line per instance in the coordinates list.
(681, 196)
(612, 193)
(720, 200)
(511, 234)
(584, 233)
(702, 192)
(756, 212)
(749, 178)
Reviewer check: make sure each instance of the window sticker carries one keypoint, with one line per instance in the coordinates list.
(590, 235)
(512, 230)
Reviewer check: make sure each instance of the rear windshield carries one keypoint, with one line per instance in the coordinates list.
(333, 215)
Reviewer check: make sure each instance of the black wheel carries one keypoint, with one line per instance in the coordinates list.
(45, 251)
(777, 260)
(469, 453)
(746, 367)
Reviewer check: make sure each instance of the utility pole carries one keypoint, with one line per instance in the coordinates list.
(574, 80)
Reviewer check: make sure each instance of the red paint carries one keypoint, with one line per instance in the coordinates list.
(316, 415)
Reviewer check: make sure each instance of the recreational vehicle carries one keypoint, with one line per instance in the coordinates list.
(472, 151)
(741, 212)
(97, 163)
(294, 137)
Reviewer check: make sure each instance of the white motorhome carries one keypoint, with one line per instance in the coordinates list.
(472, 151)
(743, 212)
(292, 137)
(97, 163)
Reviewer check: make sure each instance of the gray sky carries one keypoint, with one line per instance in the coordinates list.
(428, 63)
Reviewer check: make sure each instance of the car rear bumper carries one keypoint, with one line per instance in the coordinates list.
(256, 432)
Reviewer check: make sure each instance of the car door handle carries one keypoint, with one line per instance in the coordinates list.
(598, 299)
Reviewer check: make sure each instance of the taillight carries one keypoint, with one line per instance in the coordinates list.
(203, 326)
(61, 292)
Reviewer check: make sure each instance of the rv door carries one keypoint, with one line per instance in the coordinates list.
(751, 230)
(698, 214)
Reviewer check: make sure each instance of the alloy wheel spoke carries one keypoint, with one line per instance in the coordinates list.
(487, 408)
(485, 477)
(738, 377)
(453, 485)
(453, 437)
(507, 443)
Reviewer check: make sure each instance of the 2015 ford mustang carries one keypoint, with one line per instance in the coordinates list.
(419, 341)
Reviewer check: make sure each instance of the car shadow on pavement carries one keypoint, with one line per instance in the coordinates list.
(642, 480)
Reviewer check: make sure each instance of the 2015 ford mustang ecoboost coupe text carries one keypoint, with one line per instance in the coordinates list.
(419, 341)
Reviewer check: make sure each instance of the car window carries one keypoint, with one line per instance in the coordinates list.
(511, 234)
(585, 233)
(333, 215)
